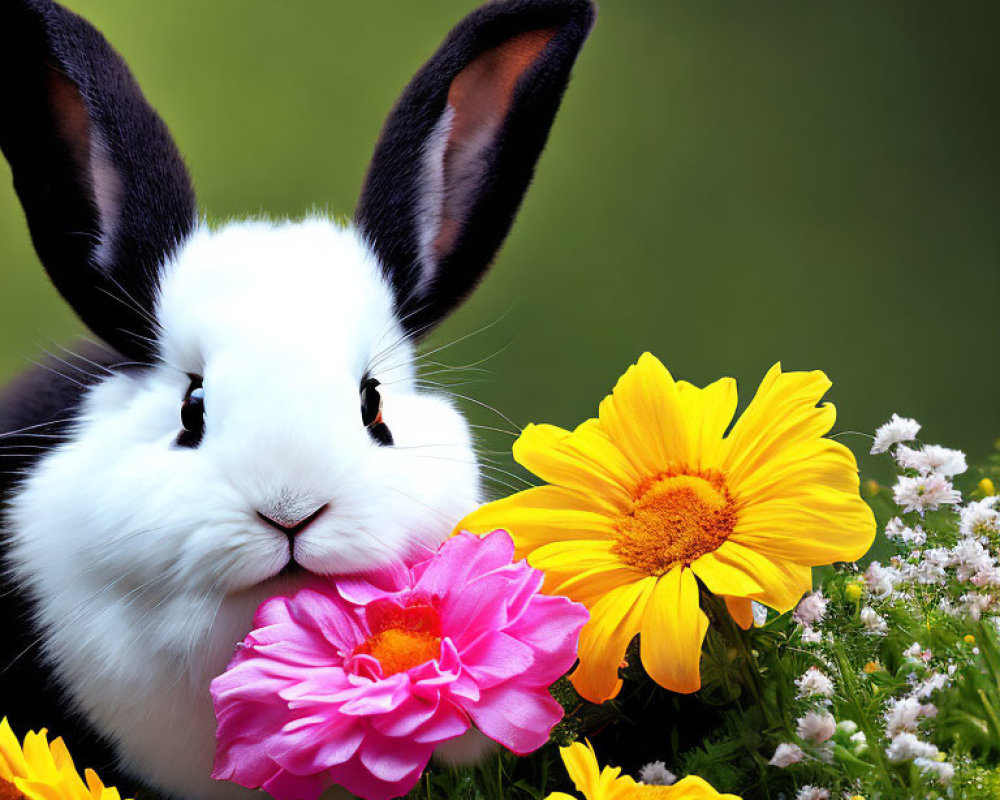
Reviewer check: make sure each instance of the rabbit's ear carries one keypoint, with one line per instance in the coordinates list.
(104, 189)
(459, 149)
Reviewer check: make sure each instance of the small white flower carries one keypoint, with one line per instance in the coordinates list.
(988, 576)
(924, 492)
(881, 581)
(903, 715)
(942, 769)
(971, 558)
(896, 430)
(906, 746)
(815, 727)
(657, 774)
(975, 604)
(980, 517)
(814, 683)
(930, 569)
(811, 609)
(847, 727)
(759, 611)
(933, 458)
(811, 636)
(810, 792)
(918, 653)
(860, 741)
(873, 622)
(895, 529)
(786, 755)
(932, 683)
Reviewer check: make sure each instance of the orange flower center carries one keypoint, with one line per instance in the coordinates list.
(8, 791)
(673, 520)
(399, 649)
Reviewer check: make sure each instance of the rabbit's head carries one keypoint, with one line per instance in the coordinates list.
(260, 417)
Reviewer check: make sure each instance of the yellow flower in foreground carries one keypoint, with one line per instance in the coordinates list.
(43, 771)
(653, 496)
(598, 784)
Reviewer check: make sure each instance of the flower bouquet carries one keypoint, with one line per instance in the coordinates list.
(682, 598)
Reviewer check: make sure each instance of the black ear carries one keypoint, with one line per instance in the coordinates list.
(459, 149)
(104, 189)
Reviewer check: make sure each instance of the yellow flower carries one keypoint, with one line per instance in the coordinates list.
(969, 638)
(872, 667)
(853, 591)
(43, 771)
(653, 496)
(598, 784)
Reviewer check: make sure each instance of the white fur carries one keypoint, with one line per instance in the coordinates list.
(147, 560)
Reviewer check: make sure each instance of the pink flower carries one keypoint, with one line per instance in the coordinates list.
(356, 682)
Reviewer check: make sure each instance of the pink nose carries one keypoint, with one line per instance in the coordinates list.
(293, 527)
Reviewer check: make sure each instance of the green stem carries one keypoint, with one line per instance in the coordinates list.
(872, 733)
(735, 636)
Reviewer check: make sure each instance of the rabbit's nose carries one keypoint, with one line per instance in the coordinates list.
(291, 526)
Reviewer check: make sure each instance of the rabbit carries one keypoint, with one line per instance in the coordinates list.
(251, 416)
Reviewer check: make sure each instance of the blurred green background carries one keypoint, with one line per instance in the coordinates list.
(728, 184)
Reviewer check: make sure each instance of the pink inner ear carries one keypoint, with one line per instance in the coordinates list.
(88, 153)
(479, 98)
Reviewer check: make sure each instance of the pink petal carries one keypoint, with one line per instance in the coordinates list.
(448, 723)
(356, 778)
(462, 558)
(519, 719)
(392, 760)
(495, 658)
(551, 627)
(311, 750)
(379, 697)
(285, 786)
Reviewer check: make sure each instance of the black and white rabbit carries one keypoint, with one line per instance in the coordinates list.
(253, 416)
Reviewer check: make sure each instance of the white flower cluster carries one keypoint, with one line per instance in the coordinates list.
(903, 716)
(657, 774)
(970, 561)
(934, 466)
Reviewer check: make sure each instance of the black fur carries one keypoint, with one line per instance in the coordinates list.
(389, 209)
(36, 412)
(64, 90)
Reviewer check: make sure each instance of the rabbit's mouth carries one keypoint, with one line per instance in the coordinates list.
(293, 569)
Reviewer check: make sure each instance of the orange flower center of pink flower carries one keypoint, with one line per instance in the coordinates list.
(401, 638)
(674, 519)
(398, 649)
(8, 791)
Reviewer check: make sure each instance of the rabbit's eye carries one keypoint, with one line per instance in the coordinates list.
(193, 414)
(371, 412)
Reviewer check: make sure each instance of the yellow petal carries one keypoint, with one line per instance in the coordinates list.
(591, 586)
(817, 526)
(581, 764)
(559, 796)
(574, 556)
(723, 577)
(741, 610)
(673, 629)
(614, 622)
(11, 759)
(781, 414)
(817, 462)
(784, 582)
(644, 417)
(541, 515)
(708, 413)
(584, 460)
(694, 788)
